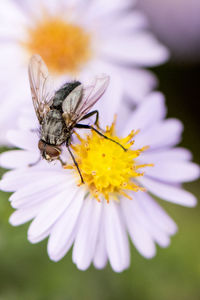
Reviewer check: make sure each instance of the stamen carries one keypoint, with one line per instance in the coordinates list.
(107, 169)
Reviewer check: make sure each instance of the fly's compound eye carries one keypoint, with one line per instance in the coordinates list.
(41, 145)
(52, 152)
(49, 152)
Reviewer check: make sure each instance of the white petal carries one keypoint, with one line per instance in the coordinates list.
(23, 139)
(139, 235)
(18, 158)
(139, 214)
(41, 181)
(163, 134)
(10, 183)
(119, 25)
(125, 114)
(98, 9)
(27, 120)
(116, 237)
(142, 49)
(100, 256)
(37, 8)
(50, 214)
(11, 102)
(87, 232)
(151, 111)
(63, 232)
(174, 171)
(106, 106)
(12, 64)
(26, 197)
(24, 215)
(156, 213)
(12, 20)
(20, 178)
(168, 192)
(137, 83)
(175, 154)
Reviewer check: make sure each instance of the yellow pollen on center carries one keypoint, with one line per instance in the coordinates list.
(107, 169)
(65, 47)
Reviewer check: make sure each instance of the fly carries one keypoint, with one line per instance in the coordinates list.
(60, 112)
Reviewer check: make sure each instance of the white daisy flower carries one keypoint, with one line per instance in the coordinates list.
(116, 200)
(75, 38)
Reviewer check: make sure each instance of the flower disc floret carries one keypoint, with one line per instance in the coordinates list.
(107, 169)
(64, 46)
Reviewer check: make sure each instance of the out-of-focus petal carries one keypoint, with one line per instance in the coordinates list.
(174, 154)
(151, 111)
(156, 213)
(137, 83)
(134, 51)
(162, 134)
(175, 172)
(168, 192)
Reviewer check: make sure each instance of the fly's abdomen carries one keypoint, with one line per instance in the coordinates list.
(53, 128)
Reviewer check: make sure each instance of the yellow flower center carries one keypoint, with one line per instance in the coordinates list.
(107, 169)
(65, 47)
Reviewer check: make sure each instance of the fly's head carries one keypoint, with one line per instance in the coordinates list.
(49, 152)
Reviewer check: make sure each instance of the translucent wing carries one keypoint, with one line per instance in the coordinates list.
(92, 94)
(72, 101)
(41, 87)
(82, 105)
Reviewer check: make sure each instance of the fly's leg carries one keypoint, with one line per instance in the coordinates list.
(75, 162)
(101, 134)
(35, 163)
(62, 162)
(90, 114)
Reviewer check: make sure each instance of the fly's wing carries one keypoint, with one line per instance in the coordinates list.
(85, 99)
(72, 101)
(92, 94)
(40, 86)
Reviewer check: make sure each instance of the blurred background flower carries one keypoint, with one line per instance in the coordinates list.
(77, 39)
(177, 24)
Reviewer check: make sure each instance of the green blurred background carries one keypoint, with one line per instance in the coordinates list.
(27, 273)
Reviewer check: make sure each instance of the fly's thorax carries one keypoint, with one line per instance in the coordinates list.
(68, 120)
(53, 128)
(62, 93)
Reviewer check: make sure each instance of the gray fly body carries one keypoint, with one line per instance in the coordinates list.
(60, 112)
(53, 128)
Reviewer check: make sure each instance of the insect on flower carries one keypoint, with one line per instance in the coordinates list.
(59, 112)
